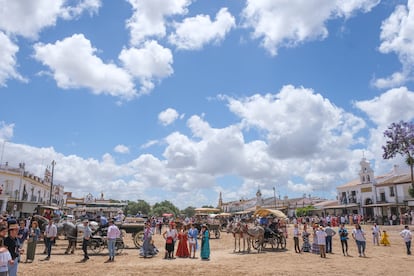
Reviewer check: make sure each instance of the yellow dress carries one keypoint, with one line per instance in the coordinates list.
(384, 239)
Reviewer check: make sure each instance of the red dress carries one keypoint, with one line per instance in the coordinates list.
(182, 250)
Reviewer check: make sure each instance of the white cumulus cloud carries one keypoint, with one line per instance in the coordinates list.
(148, 18)
(168, 116)
(194, 32)
(8, 61)
(74, 64)
(281, 23)
(397, 37)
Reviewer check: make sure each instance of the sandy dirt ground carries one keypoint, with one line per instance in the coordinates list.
(380, 260)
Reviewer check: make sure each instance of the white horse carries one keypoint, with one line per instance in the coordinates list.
(236, 229)
(256, 235)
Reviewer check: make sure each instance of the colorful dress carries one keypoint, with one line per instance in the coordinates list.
(315, 246)
(306, 247)
(205, 245)
(31, 244)
(182, 249)
(384, 239)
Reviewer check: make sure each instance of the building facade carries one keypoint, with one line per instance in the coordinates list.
(22, 192)
(377, 198)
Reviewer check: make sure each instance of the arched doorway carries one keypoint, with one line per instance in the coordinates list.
(369, 211)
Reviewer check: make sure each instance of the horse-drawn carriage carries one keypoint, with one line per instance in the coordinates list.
(209, 217)
(273, 237)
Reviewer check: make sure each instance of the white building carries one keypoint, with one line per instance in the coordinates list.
(22, 192)
(375, 197)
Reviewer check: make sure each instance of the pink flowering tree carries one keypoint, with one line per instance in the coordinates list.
(400, 141)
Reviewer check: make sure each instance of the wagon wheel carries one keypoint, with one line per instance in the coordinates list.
(119, 246)
(138, 239)
(282, 242)
(95, 246)
(217, 234)
(273, 241)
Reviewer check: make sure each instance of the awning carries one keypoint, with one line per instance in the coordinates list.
(343, 206)
(49, 207)
(270, 212)
(382, 204)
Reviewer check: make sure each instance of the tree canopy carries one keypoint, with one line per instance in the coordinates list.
(400, 141)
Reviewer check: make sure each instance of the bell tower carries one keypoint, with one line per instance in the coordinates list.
(366, 174)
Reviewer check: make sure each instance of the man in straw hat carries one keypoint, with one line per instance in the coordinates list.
(12, 244)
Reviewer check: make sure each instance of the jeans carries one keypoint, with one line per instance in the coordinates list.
(49, 243)
(361, 247)
(328, 241)
(408, 245)
(111, 248)
(344, 244)
(13, 268)
(85, 244)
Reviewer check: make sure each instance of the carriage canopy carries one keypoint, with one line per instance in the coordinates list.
(269, 212)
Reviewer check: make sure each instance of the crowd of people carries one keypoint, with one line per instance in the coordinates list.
(322, 238)
(309, 235)
(186, 238)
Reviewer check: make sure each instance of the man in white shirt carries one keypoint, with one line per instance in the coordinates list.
(407, 236)
(321, 237)
(50, 236)
(375, 234)
(112, 234)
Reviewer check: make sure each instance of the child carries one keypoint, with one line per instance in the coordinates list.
(384, 239)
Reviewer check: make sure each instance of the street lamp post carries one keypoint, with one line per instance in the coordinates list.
(51, 182)
(274, 195)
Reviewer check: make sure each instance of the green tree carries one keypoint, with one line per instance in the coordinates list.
(304, 211)
(164, 207)
(189, 211)
(141, 206)
(400, 141)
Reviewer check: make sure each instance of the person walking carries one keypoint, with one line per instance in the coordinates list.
(147, 248)
(329, 235)
(306, 247)
(205, 243)
(50, 236)
(5, 256)
(87, 233)
(359, 236)
(34, 234)
(407, 236)
(12, 244)
(113, 233)
(193, 240)
(376, 232)
(321, 240)
(296, 235)
(343, 236)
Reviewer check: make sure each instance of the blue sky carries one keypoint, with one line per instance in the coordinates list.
(180, 100)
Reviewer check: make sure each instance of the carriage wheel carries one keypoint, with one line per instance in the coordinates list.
(282, 242)
(217, 234)
(138, 239)
(119, 246)
(273, 242)
(95, 246)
